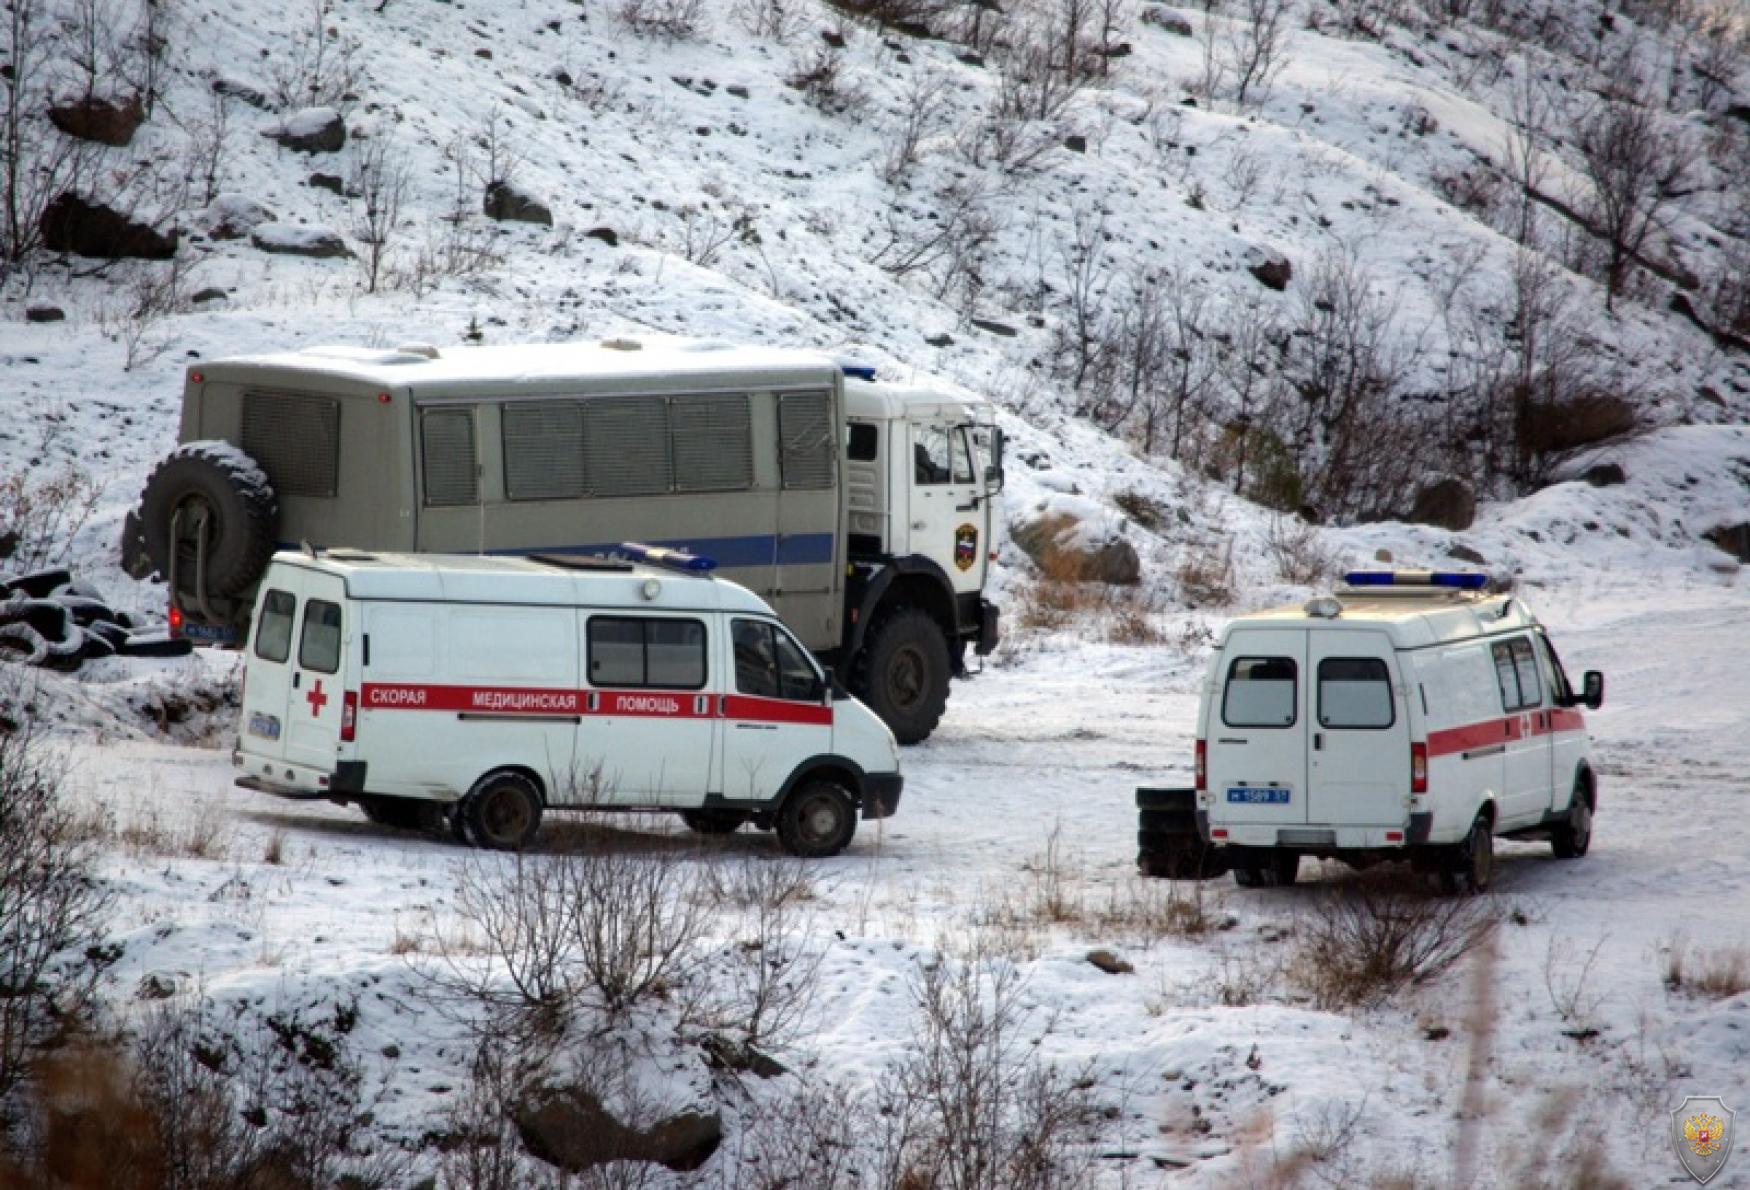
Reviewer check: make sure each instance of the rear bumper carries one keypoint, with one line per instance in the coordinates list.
(266, 775)
(1314, 837)
(881, 794)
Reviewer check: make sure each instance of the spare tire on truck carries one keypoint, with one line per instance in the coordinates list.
(222, 483)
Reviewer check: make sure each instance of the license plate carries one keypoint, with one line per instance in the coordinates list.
(212, 634)
(265, 726)
(1257, 795)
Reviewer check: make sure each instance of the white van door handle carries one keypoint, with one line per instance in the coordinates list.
(1318, 741)
(918, 524)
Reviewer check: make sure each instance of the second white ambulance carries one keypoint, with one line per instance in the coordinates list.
(491, 689)
(1409, 715)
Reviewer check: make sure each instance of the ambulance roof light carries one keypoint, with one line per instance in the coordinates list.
(1455, 579)
(664, 556)
(857, 371)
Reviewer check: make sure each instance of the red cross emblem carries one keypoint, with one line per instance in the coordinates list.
(318, 700)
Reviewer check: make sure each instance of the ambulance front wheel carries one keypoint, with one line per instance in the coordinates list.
(1573, 838)
(817, 820)
(502, 812)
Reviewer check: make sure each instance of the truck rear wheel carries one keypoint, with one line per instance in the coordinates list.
(502, 812)
(817, 820)
(903, 673)
(217, 482)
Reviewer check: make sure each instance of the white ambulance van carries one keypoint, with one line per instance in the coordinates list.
(489, 690)
(1409, 715)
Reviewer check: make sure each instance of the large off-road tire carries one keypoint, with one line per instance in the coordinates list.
(817, 820)
(715, 822)
(502, 812)
(903, 671)
(1470, 865)
(242, 516)
(1573, 838)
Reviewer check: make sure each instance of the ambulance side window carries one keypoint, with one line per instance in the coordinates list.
(1354, 692)
(1516, 671)
(319, 647)
(273, 637)
(770, 664)
(1261, 692)
(639, 653)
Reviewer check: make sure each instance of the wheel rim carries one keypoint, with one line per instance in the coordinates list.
(819, 819)
(905, 677)
(504, 816)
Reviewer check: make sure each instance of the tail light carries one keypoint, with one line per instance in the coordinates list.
(1202, 765)
(175, 619)
(1418, 768)
(349, 716)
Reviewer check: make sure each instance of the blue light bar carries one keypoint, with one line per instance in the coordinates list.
(1456, 579)
(857, 371)
(659, 555)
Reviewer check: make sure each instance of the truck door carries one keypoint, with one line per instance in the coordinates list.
(318, 685)
(649, 735)
(947, 520)
(774, 716)
(1257, 739)
(1358, 766)
(267, 686)
(807, 551)
(1525, 792)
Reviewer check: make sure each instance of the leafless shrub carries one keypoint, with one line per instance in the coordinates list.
(1247, 976)
(1253, 50)
(546, 934)
(923, 114)
(760, 989)
(673, 20)
(198, 833)
(209, 142)
(945, 245)
(379, 179)
(820, 76)
(1300, 556)
(1566, 975)
(1206, 576)
(808, 1137)
(275, 851)
(1145, 911)
(1716, 973)
(776, 20)
(1364, 940)
(146, 294)
(41, 512)
(973, 1106)
(481, 1145)
(51, 903)
(707, 230)
(320, 68)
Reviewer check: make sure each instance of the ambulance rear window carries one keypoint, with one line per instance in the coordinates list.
(319, 647)
(1354, 692)
(273, 637)
(1261, 692)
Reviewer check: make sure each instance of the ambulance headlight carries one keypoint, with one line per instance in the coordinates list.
(651, 588)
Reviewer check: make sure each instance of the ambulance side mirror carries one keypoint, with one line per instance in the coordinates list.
(993, 470)
(1593, 689)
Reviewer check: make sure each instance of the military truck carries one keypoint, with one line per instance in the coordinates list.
(862, 511)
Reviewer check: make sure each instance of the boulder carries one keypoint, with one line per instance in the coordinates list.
(295, 239)
(1734, 539)
(606, 235)
(1076, 143)
(232, 89)
(44, 314)
(568, 1127)
(1165, 18)
(1269, 268)
(312, 130)
(1110, 963)
(94, 118)
(73, 223)
(1552, 427)
(1605, 475)
(1465, 553)
(1447, 503)
(233, 216)
(506, 202)
(1066, 547)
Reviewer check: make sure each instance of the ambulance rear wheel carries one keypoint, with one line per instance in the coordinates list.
(817, 820)
(502, 812)
(715, 822)
(1471, 865)
(903, 673)
(1573, 838)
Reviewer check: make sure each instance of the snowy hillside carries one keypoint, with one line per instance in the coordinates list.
(1252, 284)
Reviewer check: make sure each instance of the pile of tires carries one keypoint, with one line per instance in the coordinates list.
(1169, 846)
(49, 619)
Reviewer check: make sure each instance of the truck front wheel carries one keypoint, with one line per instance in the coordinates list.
(903, 673)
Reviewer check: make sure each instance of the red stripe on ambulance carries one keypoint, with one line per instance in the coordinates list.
(1506, 730)
(645, 704)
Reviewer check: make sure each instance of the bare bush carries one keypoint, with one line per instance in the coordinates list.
(37, 162)
(1567, 978)
(1256, 48)
(1716, 973)
(776, 20)
(1365, 940)
(947, 246)
(51, 903)
(1206, 575)
(809, 1137)
(320, 68)
(820, 76)
(923, 114)
(674, 20)
(379, 179)
(146, 295)
(552, 933)
(41, 512)
(1298, 552)
(1635, 165)
(974, 1107)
